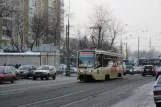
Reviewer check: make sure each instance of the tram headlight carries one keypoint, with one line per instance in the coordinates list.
(90, 71)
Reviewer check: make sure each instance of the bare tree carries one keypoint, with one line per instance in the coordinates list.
(100, 19)
(6, 8)
(40, 29)
(114, 31)
(105, 28)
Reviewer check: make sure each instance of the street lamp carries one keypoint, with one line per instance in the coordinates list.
(99, 35)
(126, 47)
(121, 35)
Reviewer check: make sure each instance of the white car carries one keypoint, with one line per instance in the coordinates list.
(157, 92)
(45, 71)
(63, 68)
(73, 69)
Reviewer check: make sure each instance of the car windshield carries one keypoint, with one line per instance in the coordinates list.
(86, 59)
(1, 71)
(24, 68)
(159, 69)
(129, 67)
(138, 68)
(43, 68)
(148, 67)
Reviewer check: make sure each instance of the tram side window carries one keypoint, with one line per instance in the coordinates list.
(98, 61)
(105, 60)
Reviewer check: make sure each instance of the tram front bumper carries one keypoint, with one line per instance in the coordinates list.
(83, 75)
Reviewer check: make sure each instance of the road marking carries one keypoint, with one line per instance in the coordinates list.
(31, 104)
(110, 90)
(42, 101)
(31, 82)
(1, 92)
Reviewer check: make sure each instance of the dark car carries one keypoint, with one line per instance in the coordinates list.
(26, 71)
(138, 70)
(149, 70)
(129, 70)
(158, 72)
(6, 74)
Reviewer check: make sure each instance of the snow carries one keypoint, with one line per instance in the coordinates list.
(21, 54)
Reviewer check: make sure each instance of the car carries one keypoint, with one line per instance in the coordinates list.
(129, 70)
(26, 71)
(149, 70)
(73, 69)
(158, 72)
(157, 92)
(138, 69)
(6, 74)
(14, 70)
(63, 68)
(45, 71)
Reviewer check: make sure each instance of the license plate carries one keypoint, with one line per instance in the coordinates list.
(147, 69)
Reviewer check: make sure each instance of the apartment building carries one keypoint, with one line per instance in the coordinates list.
(54, 11)
(22, 20)
(5, 23)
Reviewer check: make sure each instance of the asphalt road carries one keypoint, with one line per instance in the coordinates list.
(68, 92)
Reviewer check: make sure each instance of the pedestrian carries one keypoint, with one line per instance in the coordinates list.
(4, 64)
(16, 66)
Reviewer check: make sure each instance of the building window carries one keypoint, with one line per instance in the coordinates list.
(30, 10)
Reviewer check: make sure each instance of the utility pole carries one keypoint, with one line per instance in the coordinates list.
(66, 53)
(0, 30)
(68, 33)
(121, 43)
(99, 37)
(138, 48)
(126, 52)
(67, 50)
(126, 49)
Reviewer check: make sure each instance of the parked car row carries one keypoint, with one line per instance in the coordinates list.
(10, 73)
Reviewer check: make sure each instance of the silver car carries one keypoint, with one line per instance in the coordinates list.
(45, 71)
(157, 92)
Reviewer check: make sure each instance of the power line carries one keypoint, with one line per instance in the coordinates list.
(91, 3)
(142, 46)
(159, 1)
(96, 6)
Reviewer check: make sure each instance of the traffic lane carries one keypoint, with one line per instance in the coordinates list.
(38, 95)
(59, 96)
(25, 84)
(141, 97)
(104, 98)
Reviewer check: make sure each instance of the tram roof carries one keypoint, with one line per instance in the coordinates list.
(105, 52)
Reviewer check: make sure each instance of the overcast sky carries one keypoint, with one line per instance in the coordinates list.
(140, 15)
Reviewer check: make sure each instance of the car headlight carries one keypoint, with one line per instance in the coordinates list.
(130, 70)
(80, 71)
